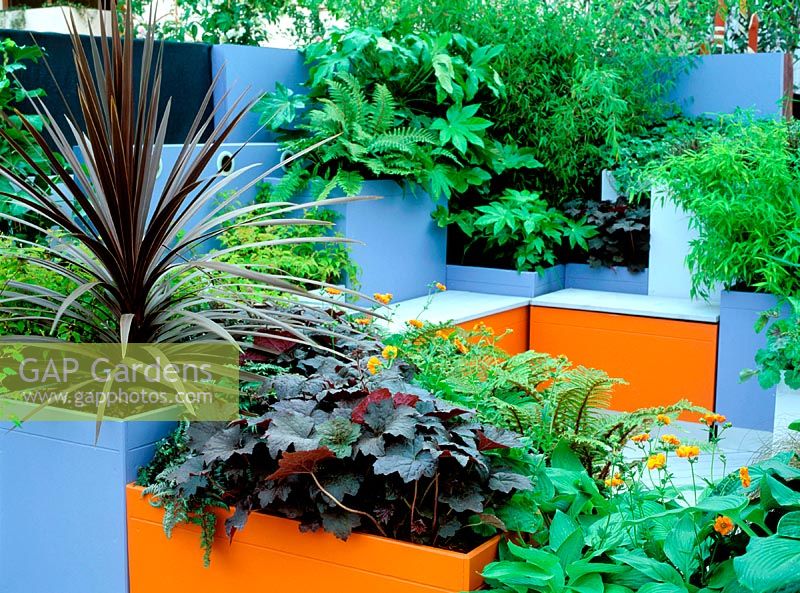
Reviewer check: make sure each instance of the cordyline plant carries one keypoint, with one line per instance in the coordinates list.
(127, 248)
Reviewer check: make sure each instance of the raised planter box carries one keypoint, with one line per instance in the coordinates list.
(746, 403)
(402, 250)
(505, 282)
(253, 71)
(62, 525)
(272, 551)
(618, 279)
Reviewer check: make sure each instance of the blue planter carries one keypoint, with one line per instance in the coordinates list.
(403, 249)
(606, 279)
(719, 84)
(745, 404)
(62, 525)
(505, 282)
(253, 71)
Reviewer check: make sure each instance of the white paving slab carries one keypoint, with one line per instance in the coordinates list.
(452, 305)
(630, 304)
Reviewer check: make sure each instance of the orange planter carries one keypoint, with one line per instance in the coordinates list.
(663, 360)
(516, 320)
(271, 554)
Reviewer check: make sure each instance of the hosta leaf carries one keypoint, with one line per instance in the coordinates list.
(775, 494)
(680, 546)
(521, 514)
(769, 564)
(653, 569)
(789, 525)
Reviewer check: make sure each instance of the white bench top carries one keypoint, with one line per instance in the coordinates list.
(630, 304)
(452, 305)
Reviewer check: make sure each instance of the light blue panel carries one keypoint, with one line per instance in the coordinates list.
(745, 404)
(62, 504)
(617, 279)
(723, 83)
(505, 282)
(403, 249)
(258, 68)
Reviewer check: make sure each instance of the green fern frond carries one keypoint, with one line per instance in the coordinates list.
(579, 395)
(382, 112)
(402, 139)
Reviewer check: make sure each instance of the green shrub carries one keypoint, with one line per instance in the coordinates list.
(780, 358)
(741, 185)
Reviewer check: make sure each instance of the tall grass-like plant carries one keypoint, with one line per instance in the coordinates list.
(126, 249)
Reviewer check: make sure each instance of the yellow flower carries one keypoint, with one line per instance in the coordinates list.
(373, 365)
(723, 525)
(332, 290)
(614, 482)
(663, 419)
(670, 439)
(688, 451)
(460, 346)
(415, 323)
(744, 476)
(641, 438)
(383, 298)
(442, 334)
(389, 352)
(363, 320)
(439, 286)
(657, 461)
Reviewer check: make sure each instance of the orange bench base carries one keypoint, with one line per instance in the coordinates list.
(663, 360)
(517, 320)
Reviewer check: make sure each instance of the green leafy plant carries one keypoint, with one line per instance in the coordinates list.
(130, 250)
(37, 167)
(740, 185)
(780, 358)
(622, 235)
(342, 446)
(544, 398)
(521, 224)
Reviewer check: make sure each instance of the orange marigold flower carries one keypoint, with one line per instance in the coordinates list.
(383, 298)
(332, 290)
(442, 334)
(389, 352)
(460, 346)
(744, 476)
(615, 482)
(439, 286)
(373, 365)
(670, 439)
(711, 419)
(657, 461)
(641, 438)
(362, 320)
(688, 451)
(415, 323)
(723, 525)
(664, 419)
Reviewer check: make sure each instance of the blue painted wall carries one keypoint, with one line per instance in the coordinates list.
(62, 525)
(505, 282)
(723, 83)
(253, 71)
(745, 404)
(617, 279)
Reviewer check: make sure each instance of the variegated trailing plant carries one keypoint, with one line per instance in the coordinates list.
(129, 250)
